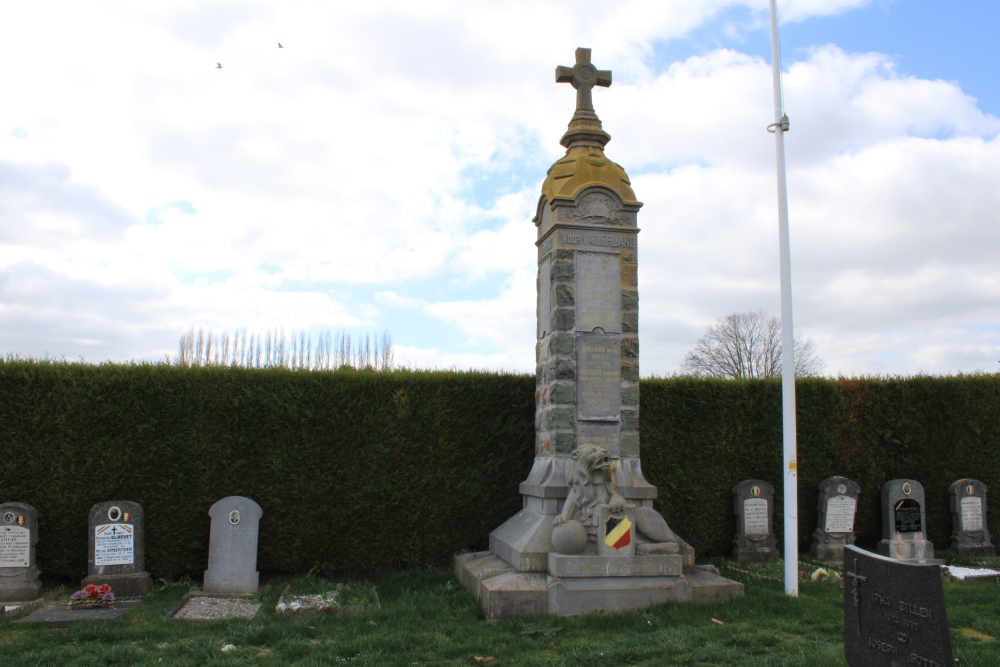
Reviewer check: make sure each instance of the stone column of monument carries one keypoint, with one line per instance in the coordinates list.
(587, 389)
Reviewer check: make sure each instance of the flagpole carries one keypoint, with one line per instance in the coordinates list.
(789, 455)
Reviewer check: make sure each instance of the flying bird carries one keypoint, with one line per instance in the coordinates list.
(218, 65)
(280, 46)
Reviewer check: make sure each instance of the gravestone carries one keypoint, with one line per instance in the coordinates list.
(232, 547)
(18, 571)
(970, 535)
(117, 553)
(838, 506)
(753, 505)
(894, 612)
(904, 522)
(552, 556)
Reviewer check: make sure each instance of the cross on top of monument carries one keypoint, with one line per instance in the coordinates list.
(583, 76)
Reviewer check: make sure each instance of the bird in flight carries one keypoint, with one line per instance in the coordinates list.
(218, 65)
(280, 46)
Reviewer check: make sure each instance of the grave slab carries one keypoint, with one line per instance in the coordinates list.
(19, 582)
(838, 505)
(970, 535)
(753, 505)
(904, 523)
(894, 612)
(232, 547)
(59, 616)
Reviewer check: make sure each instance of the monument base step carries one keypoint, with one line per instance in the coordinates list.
(755, 555)
(910, 551)
(20, 593)
(504, 592)
(124, 585)
(974, 549)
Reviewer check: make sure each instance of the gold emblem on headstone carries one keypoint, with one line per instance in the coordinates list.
(971, 488)
(754, 490)
(21, 520)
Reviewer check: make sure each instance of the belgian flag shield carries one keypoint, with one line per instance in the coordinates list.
(617, 532)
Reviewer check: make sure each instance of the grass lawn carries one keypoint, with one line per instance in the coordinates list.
(425, 618)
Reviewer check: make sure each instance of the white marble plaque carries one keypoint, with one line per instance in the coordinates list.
(114, 544)
(544, 297)
(840, 514)
(599, 377)
(15, 546)
(972, 514)
(598, 292)
(755, 516)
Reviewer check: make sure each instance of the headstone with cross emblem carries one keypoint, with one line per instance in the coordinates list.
(232, 547)
(970, 535)
(894, 612)
(753, 506)
(18, 570)
(904, 522)
(117, 554)
(838, 505)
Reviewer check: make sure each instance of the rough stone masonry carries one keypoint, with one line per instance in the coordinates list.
(587, 471)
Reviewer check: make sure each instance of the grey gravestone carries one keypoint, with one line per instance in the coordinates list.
(18, 569)
(894, 612)
(970, 535)
(587, 399)
(117, 554)
(838, 506)
(753, 505)
(232, 548)
(904, 522)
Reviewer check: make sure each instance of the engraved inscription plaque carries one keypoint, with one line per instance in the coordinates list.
(599, 387)
(602, 434)
(15, 546)
(755, 516)
(908, 516)
(544, 298)
(840, 514)
(598, 292)
(972, 514)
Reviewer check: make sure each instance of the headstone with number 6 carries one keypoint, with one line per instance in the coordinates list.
(232, 547)
(970, 535)
(117, 549)
(18, 571)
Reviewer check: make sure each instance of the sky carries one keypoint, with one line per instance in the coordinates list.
(380, 171)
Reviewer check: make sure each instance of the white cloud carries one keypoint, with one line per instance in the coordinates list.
(347, 164)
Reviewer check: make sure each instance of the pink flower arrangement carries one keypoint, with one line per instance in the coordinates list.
(92, 597)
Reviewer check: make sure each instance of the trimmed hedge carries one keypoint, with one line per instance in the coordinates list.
(364, 471)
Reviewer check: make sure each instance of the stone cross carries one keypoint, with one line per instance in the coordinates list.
(583, 76)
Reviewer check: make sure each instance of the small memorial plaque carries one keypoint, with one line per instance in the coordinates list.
(601, 434)
(755, 516)
(15, 546)
(894, 612)
(972, 514)
(598, 292)
(840, 514)
(599, 377)
(908, 516)
(114, 544)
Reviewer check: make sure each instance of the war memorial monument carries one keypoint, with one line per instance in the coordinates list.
(587, 538)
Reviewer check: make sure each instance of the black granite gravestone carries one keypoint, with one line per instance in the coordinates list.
(894, 612)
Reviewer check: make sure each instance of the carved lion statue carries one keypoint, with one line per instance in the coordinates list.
(591, 484)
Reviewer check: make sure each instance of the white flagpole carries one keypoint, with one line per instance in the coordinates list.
(789, 456)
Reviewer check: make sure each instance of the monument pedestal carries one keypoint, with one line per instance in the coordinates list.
(139, 584)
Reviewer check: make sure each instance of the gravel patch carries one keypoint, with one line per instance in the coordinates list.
(199, 608)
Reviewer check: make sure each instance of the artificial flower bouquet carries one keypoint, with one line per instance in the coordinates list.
(93, 597)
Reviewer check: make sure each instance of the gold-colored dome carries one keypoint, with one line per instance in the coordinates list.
(583, 167)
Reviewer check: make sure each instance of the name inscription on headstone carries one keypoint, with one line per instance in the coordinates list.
(15, 546)
(598, 368)
(840, 514)
(755, 516)
(894, 612)
(907, 513)
(598, 292)
(114, 544)
(972, 514)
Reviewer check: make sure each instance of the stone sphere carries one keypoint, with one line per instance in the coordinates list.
(569, 538)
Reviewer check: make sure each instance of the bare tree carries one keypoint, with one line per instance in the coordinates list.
(748, 345)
